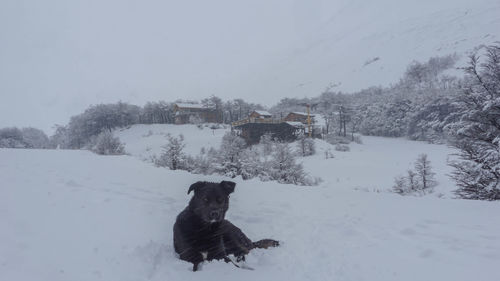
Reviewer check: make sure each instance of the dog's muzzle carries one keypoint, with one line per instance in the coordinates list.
(214, 216)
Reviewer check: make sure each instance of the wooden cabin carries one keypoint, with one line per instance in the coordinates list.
(251, 132)
(317, 122)
(298, 117)
(260, 114)
(190, 113)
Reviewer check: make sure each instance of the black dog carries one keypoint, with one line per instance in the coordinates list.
(201, 232)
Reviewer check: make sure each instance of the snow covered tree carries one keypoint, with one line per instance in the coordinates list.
(306, 146)
(400, 185)
(60, 138)
(413, 184)
(107, 144)
(424, 172)
(418, 181)
(35, 138)
(231, 149)
(12, 138)
(173, 156)
(477, 131)
(251, 164)
(23, 138)
(267, 143)
(283, 167)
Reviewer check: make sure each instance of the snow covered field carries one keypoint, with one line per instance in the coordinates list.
(378, 159)
(74, 215)
(144, 141)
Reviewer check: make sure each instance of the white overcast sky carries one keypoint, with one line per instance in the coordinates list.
(57, 57)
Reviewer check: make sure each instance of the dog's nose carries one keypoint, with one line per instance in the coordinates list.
(214, 215)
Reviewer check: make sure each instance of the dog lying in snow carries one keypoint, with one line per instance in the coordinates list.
(202, 234)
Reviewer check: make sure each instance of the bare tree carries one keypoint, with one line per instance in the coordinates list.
(424, 172)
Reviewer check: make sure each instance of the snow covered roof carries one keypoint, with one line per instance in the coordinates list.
(263, 112)
(302, 113)
(191, 105)
(295, 124)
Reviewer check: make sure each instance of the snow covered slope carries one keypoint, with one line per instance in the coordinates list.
(361, 43)
(370, 166)
(74, 215)
(144, 141)
(373, 165)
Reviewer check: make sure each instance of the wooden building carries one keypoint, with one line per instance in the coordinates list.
(252, 129)
(188, 113)
(252, 132)
(298, 117)
(317, 122)
(261, 114)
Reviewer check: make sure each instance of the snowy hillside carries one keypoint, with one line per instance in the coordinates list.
(363, 43)
(144, 141)
(74, 215)
(378, 159)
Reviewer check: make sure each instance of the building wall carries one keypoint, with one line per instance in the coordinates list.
(293, 117)
(257, 115)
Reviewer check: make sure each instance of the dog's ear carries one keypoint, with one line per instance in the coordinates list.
(195, 186)
(228, 186)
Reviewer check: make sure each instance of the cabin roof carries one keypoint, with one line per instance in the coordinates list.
(263, 112)
(302, 113)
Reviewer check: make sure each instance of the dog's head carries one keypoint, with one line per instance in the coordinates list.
(211, 200)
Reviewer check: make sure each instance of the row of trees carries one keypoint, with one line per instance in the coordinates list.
(419, 106)
(83, 128)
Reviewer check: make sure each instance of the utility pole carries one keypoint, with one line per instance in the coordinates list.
(308, 106)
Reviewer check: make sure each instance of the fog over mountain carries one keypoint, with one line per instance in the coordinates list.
(58, 57)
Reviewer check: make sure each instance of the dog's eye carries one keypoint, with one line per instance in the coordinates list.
(219, 200)
(205, 200)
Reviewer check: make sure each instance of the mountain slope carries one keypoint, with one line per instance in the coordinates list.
(365, 43)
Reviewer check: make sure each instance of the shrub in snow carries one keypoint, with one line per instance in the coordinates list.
(342, 147)
(23, 138)
(107, 144)
(283, 167)
(329, 153)
(476, 133)
(336, 139)
(357, 139)
(252, 165)
(11, 138)
(267, 143)
(230, 153)
(306, 146)
(418, 181)
(173, 156)
(400, 185)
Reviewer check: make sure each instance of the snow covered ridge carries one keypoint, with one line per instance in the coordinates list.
(362, 43)
(74, 215)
